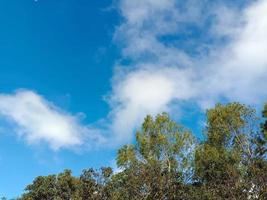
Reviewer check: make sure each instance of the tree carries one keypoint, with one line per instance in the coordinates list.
(67, 186)
(90, 185)
(160, 163)
(222, 159)
(257, 170)
(261, 139)
(96, 185)
(43, 187)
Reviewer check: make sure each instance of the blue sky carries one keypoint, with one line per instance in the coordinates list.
(78, 77)
(64, 51)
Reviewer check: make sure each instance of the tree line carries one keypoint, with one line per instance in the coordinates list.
(167, 162)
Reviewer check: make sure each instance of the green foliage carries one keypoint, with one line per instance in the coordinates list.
(42, 188)
(221, 160)
(160, 142)
(257, 168)
(227, 141)
(166, 162)
(159, 162)
(90, 185)
(261, 139)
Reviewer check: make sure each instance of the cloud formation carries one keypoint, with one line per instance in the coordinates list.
(195, 51)
(38, 120)
(170, 63)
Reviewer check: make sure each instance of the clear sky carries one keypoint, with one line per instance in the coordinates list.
(77, 77)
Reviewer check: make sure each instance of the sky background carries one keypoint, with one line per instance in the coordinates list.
(77, 77)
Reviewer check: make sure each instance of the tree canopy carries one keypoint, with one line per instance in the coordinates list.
(168, 162)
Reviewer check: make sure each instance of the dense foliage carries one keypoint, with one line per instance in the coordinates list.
(167, 162)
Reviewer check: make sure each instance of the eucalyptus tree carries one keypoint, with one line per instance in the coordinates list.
(160, 163)
(223, 159)
(257, 171)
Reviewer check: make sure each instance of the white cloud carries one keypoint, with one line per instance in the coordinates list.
(38, 120)
(162, 75)
(144, 92)
(240, 69)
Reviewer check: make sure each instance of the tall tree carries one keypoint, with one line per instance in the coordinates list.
(257, 170)
(222, 158)
(160, 162)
